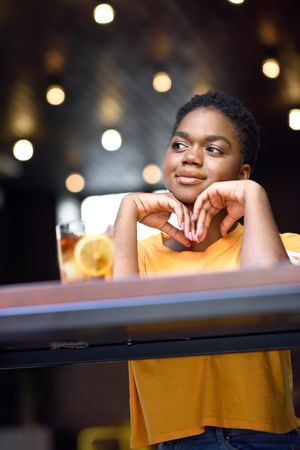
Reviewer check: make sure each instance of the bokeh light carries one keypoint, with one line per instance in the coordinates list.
(162, 82)
(152, 174)
(23, 150)
(55, 95)
(104, 13)
(271, 68)
(294, 119)
(75, 182)
(54, 61)
(111, 140)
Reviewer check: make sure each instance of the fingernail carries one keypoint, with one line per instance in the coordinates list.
(190, 236)
(182, 226)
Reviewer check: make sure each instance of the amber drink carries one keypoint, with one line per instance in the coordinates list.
(82, 254)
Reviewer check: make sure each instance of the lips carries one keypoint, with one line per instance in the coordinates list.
(188, 177)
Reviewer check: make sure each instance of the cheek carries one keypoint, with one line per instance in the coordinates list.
(223, 171)
(169, 164)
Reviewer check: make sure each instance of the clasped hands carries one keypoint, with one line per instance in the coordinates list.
(155, 209)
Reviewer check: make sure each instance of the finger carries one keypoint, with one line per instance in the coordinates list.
(178, 209)
(194, 226)
(198, 216)
(204, 222)
(212, 197)
(226, 224)
(183, 218)
(176, 234)
(200, 232)
(199, 205)
(188, 224)
(205, 218)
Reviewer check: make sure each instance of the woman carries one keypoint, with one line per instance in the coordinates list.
(235, 401)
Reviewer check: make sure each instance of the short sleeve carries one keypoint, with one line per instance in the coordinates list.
(291, 241)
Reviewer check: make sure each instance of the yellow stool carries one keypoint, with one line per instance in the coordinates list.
(91, 438)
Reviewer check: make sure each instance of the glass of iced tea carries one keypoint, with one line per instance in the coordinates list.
(84, 252)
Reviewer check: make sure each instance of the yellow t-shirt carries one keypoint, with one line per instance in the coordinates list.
(172, 398)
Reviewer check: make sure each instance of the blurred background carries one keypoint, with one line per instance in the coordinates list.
(88, 100)
(67, 81)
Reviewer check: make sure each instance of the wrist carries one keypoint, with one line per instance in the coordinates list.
(254, 191)
(128, 206)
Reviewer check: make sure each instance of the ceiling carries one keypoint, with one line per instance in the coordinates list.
(107, 71)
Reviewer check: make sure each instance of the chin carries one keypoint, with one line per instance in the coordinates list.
(185, 198)
(186, 194)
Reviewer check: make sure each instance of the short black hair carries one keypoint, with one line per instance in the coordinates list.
(242, 119)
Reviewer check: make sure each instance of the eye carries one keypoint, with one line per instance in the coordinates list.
(214, 150)
(178, 145)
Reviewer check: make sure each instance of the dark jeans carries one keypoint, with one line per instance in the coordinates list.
(234, 439)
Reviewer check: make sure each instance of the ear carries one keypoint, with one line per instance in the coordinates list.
(245, 172)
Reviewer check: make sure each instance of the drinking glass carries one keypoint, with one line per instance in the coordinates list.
(85, 252)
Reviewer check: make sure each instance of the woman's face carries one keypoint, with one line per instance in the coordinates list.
(205, 148)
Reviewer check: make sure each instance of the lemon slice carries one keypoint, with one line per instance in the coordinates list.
(93, 255)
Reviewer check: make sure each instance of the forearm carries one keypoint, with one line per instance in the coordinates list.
(261, 245)
(125, 240)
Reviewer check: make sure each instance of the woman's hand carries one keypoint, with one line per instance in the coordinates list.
(261, 244)
(226, 194)
(155, 209)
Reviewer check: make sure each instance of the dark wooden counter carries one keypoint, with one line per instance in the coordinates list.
(49, 324)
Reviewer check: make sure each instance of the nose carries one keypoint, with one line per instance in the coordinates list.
(193, 155)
